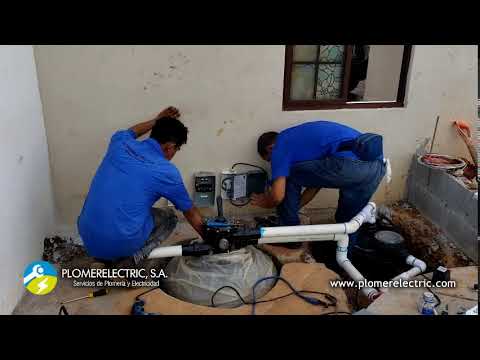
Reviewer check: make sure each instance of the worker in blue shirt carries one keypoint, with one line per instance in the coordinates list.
(310, 157)
(118, 222)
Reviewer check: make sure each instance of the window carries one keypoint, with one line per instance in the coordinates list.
(345, 76)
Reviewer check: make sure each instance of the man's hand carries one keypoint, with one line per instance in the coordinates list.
(168, 112)
(144, 127)
(195, 219)
(308, 195)
(263, 200)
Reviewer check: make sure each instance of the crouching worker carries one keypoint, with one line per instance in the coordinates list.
(312, 156)
(117, 223)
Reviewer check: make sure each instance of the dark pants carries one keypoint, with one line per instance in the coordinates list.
(165, 222)
(357, 181)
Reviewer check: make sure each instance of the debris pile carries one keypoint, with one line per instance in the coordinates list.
(424, 239)
(61, 251)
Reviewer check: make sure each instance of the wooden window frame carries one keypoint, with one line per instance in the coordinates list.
(296, 105)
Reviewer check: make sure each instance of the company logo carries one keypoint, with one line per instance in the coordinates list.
(40, 278)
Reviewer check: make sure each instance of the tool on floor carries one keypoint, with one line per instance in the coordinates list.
(138, 307)
(93, 294)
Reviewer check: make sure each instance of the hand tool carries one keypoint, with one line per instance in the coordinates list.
(93, 294)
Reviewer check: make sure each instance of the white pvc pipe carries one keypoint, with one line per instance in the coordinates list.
(166, 251)
(345, 264)
(301, 230)
(418, 267)
(366, 215)
(297, 238)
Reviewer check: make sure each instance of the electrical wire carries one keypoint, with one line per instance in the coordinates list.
(247, 164)
(240, 205)
(244, 302)
(229, 191)
(299, 293)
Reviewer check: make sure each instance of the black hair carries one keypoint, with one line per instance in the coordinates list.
(168, 129)
(265, 140)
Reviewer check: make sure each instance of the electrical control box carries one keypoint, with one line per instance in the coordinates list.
(242, 184)
(204, 189)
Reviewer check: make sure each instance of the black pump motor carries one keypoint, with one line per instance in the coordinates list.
(380, 252)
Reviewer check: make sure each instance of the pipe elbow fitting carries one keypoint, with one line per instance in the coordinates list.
(353, 225)
(368, 214)
(413, 261)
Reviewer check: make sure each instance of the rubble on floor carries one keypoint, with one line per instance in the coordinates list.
(62, 251)
(424, 239)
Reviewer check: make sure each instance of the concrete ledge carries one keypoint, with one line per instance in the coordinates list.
(447, 203)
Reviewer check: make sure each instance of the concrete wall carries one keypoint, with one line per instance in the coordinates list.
(26, 214)
(383, 74)
(447, 203)
(228, 95)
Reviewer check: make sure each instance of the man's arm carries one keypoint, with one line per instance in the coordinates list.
(144, 127)
(274, 197)
(308, 195)
(195, 219)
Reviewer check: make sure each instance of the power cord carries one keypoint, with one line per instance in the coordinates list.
(229, 191)
(138, 307)
(245, 203)
(247, 164)
(311, 300)
(244, 302)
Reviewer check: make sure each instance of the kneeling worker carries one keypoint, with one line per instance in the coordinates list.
(117, 222)
(312, 156)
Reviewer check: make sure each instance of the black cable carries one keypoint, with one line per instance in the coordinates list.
(263, 301)
(229, 191)
(240, 205)
(294, 292)
(230, 178)
(223, 183)
(227, 287)
(247, 164)
(337, 312)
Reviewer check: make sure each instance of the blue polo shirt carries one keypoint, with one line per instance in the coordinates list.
(116, 218)
(309, 141)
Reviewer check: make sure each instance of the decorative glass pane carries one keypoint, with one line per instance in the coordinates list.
(302, 82)
(332, 53)
(305, 53)
(329, 81)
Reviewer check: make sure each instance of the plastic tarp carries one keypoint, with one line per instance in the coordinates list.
(195, 279)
